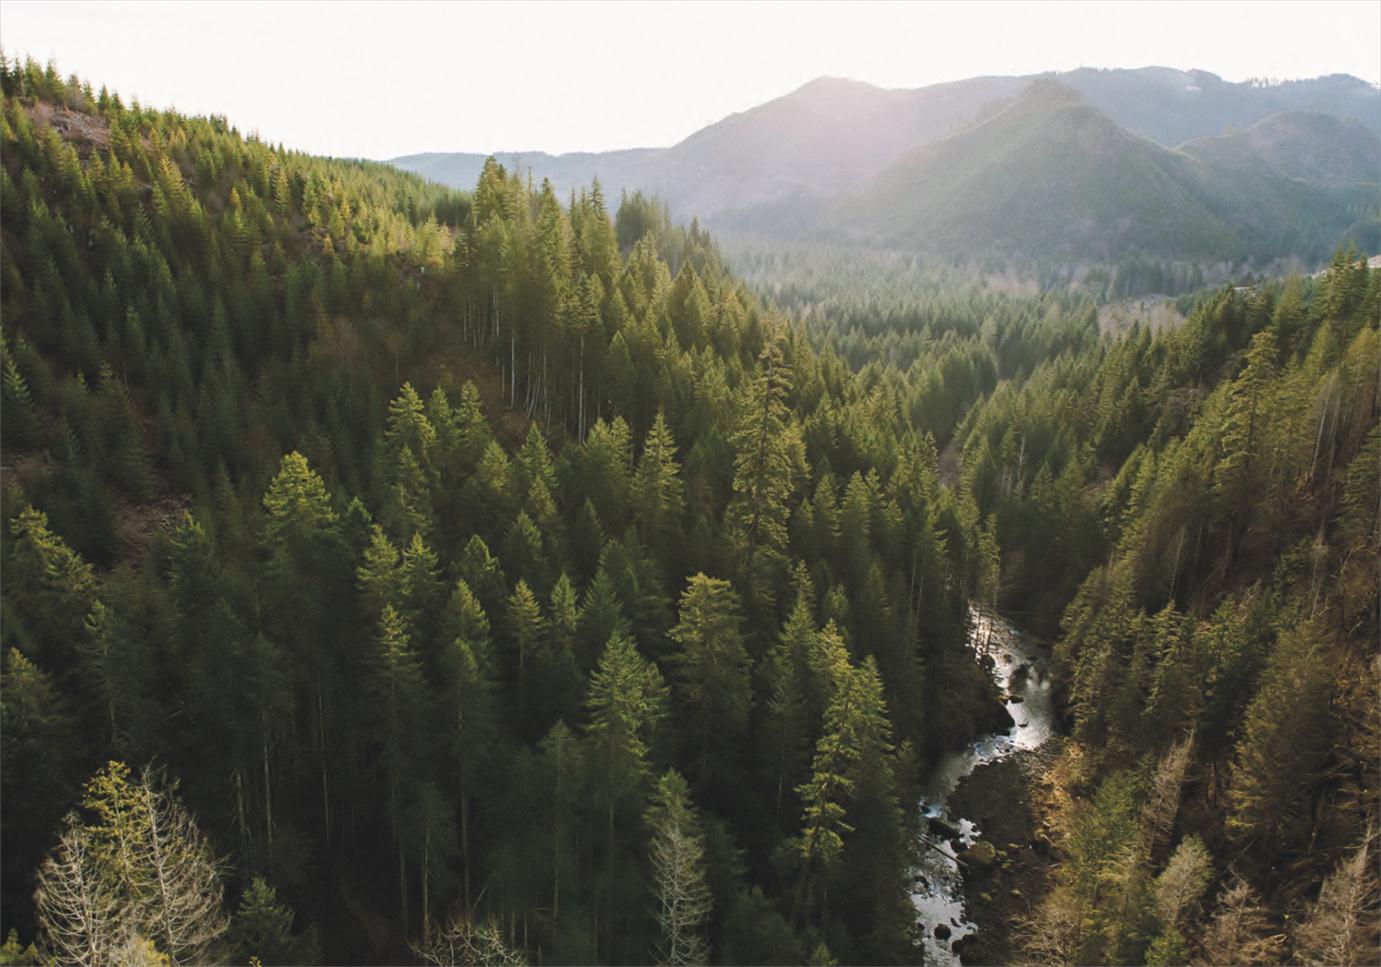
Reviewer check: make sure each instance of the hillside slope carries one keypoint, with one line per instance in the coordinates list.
(1307, 145)
(1051, 177)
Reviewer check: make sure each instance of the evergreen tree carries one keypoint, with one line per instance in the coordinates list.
(711, 674)
(262, 929)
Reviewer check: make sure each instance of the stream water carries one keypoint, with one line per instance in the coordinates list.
(1019, 669)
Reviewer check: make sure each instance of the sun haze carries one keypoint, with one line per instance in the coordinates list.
(382, 80)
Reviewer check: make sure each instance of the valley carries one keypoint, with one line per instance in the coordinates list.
(928, 525)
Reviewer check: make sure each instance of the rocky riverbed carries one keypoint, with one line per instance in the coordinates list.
(1003, 798)
(976, 845)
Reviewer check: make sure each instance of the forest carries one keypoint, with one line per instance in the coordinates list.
(396, 574)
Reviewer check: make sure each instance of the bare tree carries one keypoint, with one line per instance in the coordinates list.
(1181, 884)
(79, 910)
(684, 899)
(678, 869)
(464, 943)
(183, 908)
(1163, 799)
(1241, 931)
(136, 884)
(1055, 932)
(1344, 926)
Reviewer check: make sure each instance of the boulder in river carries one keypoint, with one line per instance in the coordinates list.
(943, 827)
(942, 931)
(980, 856)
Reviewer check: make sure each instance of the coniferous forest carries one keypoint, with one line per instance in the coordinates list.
(400, 574)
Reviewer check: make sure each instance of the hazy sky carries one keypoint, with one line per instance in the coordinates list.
(389, 79)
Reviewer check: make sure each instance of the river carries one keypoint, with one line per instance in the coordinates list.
(1020, 672)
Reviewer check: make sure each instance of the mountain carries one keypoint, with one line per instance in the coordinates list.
(1049, 173)
(827, 136)
(1307, 145)
(774, 168)
(1173, 106)
(830, 135)
(1051, 176)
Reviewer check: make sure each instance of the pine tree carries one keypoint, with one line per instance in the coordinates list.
(1284, 741)
(627, 700)
(766, 461)
(1239, 472)
(853, 732)
(526, 628)
(561, 674)
(467, 673)
(306, 576)
(795, 691)
(396, 690)
(35, 760)
(657, 495)
(54, 589)
(262, 929)
(711, 672)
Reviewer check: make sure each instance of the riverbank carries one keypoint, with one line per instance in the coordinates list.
(974, 828)
(1004, 799)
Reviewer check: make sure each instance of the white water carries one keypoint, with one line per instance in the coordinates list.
(1019, 669)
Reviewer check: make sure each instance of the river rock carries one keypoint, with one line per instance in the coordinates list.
(942, 931)
(1014, 698)
(942, 827)
(980, 856)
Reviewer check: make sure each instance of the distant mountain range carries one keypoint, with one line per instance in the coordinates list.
(1089, 164)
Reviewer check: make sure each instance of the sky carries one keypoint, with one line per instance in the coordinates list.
(381, 80)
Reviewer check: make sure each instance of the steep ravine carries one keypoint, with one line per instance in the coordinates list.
(954, 845)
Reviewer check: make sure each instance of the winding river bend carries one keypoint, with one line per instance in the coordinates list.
(1019, 670)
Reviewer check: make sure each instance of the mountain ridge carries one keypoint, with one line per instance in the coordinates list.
(783, 168)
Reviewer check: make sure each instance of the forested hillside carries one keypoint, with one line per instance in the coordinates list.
(398, 574)
(1193, 519)
(478, 579)
(1200, 511)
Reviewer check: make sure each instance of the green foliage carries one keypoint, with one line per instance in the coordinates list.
(381, 515)
(138, 874)
(711, 674)
(262, 929)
